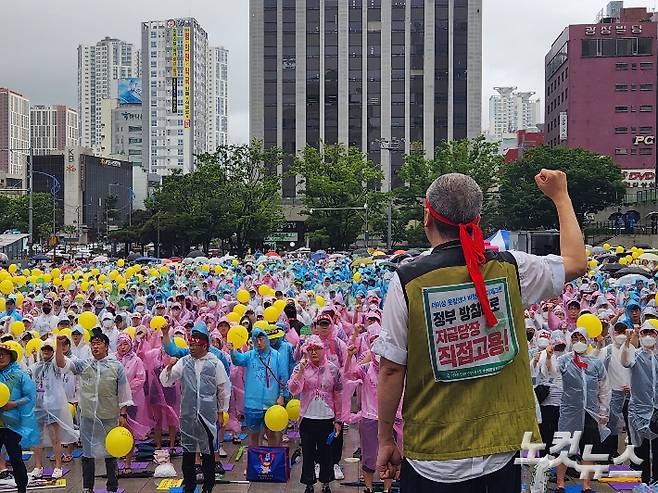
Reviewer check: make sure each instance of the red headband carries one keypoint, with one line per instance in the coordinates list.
(470, 237)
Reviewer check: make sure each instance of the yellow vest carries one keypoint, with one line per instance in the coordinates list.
(468, 391)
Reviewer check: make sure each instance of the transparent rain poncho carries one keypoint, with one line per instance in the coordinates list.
(644, 370)
(52, 406)
(205, 391)
(104, 389)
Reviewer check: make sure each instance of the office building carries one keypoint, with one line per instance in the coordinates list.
(54, 128)
(525, 139)
(379, 75)
(175, 95)
(99, 66)
(217, 97)
(14, 138)
(511, 111)
(601, 89)
(87, 187)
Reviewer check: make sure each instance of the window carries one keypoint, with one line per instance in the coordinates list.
(646, 151)
(646, 130)
(645, 108)
(620, 151)
(621, 87)
(646, 87)
(621, 66)
(646, 65)
(621, 109)
(621, 130)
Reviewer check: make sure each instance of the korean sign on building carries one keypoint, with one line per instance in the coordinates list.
(609, 29)
(174, 70)
(187, 110)
(461, 345)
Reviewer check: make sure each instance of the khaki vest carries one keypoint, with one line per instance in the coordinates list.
(467, 418)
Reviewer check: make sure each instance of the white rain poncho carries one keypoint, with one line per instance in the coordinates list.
(205, 391)
(644, 371)
(52, 405)
(104, 390)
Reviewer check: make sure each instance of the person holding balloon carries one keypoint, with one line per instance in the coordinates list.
(104, 399)
(318, 383)
(18, 427)
(206, 391)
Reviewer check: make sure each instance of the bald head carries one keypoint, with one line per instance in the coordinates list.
(456, 197)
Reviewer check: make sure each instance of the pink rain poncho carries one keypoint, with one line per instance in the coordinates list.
(163, 403)
(139, 422)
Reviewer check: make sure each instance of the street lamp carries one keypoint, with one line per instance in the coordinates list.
(54, 188)
(393, 145)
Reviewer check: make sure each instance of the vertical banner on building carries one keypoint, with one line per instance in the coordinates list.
(563, 126)
(174, 70)
(187, 110)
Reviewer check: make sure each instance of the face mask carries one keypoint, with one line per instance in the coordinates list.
(542, 343)
(648, 341)
(212, 304)
(530, 335)
(108, 324)
(579, 347)
(139, 308)
(46, 310)
(620, 339)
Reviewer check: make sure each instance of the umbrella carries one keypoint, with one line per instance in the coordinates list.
(272, 253)
(188, 260)
(614, 216)
(597, 249)
(360, 251)
(362, 262)
(652, 213)
(398, 252)
(388, 264)
(100, 258)
(378, 253)
(651, 257)
(200, 260)
(607, 256)
(145, 260)
(319, 255)
(39, 257)
(133, 256)
(195, 254)
(215, 261)
(612, 267)
(631, 279)
(632, 271)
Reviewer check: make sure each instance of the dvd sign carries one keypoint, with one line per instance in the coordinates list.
(639, 178)
(647, 140)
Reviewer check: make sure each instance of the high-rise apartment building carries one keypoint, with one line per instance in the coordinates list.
(99, 66)
(380, 75)
(54, 128)
(175, 94)
(217, 97)
(601, 89)
(511, 111)
(14, 138)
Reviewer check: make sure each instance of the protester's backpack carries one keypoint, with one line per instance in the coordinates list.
(268, 464)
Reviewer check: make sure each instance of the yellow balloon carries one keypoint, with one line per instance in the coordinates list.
(20, 280)
(356, 276)
(121, 262)
(276, 418)
(293, 408)
(640, 251)
(261, 324)
(591, 324)
(13, 268)
(239, 309)
(623, 261)
(243, 296)
(237, 335)
(4, 394)
(205, 268)
(66, 332)
(263, 290)
(57, 281)
(320, 301)
(95, 271)
(87, 320)
(233, 317)
(113, 274)
(4, 275)
(280, 305)
(218, 269)
(102, 278)
(154, 272)
(2, 304)
(635, 255)
(84, 286)
(593, 263)
(16, 347)
(6, 286)
(225, 418)
(235, 262)
(180, 342)
(17, 328)
(33, 345)
(587, 252)
(119, 442)
(607, 246)
(164, 269)
(47, 278)
(72, 409)
(271, 314)
(130, 331)
(19, 299)
(158, 322)
(620, 249)
(26, 272)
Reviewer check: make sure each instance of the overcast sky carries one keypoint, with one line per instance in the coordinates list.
(39, 38)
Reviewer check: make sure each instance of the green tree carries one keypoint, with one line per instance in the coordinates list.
(335, 179)
(594, 181)
(14, 214)
(476, 158)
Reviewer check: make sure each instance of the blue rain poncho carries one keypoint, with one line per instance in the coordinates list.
(22, 391)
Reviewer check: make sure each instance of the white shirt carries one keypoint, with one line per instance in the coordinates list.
(168, 378)
(540, 278)
(618, 376)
